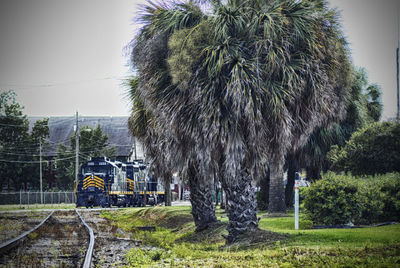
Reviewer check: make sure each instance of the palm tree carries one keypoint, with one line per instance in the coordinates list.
(241, 85)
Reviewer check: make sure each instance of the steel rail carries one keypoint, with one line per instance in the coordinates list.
(89, 253)
(6, 246)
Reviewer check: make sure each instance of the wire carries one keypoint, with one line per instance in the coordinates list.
(9, 125)
(55, 84)
(34, 162)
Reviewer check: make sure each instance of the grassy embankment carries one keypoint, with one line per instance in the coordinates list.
(174, 243)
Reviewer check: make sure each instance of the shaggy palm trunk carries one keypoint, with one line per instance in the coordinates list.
(203, 209)
(276, 190)
(241, 207)
(263, 198)
(292, 169)
(167, 178)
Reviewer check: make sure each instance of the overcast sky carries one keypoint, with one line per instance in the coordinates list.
(62, 56)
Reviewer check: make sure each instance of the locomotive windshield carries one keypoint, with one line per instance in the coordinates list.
(98, 169)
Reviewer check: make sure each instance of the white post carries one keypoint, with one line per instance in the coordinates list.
(296, 201)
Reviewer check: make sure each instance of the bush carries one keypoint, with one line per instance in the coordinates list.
(339, 199)
(371, 201)
(332, 200)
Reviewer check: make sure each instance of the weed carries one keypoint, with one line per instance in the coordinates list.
(33, 235)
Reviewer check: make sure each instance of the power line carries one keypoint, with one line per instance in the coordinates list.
(56, 84)
(34, 162)
(16, 126)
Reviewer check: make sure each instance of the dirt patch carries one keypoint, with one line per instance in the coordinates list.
(256, 238)
(161, 217)
(212, 235)
(176, 221)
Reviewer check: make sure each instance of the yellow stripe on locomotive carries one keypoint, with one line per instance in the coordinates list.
(93, 182)
(131, 184)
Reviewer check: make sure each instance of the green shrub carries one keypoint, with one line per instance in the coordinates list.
(371, 201)
(332, 200)
(338, 199)
(305, 224)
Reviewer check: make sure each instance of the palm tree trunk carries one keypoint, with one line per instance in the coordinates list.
(241, 207)
(313, 173)
(167, 178)
(216, 192)
(263, 198)
(292, 169)
(203, 209)
(276, 190)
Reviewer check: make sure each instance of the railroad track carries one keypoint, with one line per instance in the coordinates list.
(61, 239)
(112, 243)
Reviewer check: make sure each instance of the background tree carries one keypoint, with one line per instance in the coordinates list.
(19, 149)
(92, 143)
(14, 151)
(363, 107)
(40, 131)
(374, 149)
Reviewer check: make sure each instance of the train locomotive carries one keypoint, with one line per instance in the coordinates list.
(108, 183)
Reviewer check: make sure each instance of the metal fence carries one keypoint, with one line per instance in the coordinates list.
(28, 198)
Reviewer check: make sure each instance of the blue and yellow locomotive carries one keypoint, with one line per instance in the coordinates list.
(106, 183)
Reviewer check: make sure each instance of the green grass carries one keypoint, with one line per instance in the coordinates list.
(352, 238)
(175, 243)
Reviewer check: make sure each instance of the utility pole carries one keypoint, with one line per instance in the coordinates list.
(76, 150)
(134, 144)
(40, 170)
(397, 60)
(398, 94)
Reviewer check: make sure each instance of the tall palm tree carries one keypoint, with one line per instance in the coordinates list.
(240, 85)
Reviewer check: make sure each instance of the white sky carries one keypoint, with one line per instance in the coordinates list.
(63, 56)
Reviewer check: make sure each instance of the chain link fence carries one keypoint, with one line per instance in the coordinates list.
(28, 198)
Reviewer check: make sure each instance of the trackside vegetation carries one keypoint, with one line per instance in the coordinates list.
(175, 242)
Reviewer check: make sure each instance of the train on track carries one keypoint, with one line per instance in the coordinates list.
(108, 183)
